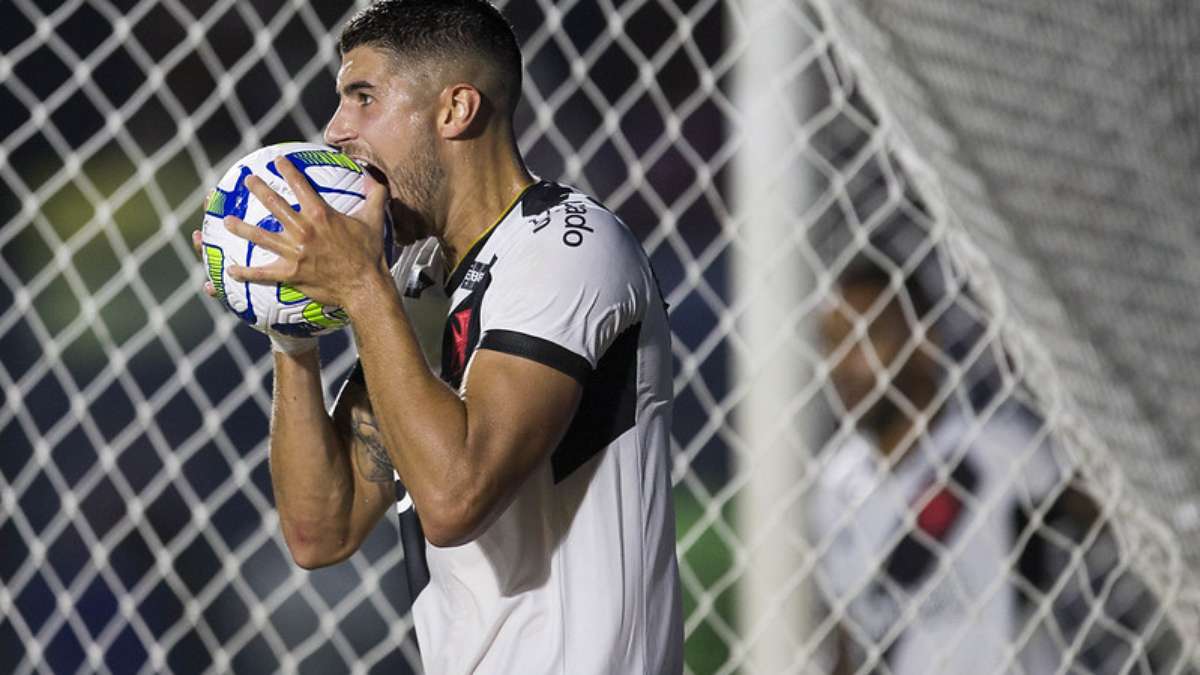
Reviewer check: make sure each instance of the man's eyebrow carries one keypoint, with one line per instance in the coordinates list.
(357, 85)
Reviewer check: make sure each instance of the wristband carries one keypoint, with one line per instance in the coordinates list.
(294, 346)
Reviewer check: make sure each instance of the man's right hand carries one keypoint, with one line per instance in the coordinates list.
(198, 247)
(279, 343)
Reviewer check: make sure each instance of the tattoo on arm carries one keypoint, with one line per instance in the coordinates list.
(374, 463)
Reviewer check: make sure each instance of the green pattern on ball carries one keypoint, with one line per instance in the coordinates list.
(289, 295)
(215, 258)
(307, 158)
(215, 206)
(313, 312)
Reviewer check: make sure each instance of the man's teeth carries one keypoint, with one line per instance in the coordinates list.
(374, 171)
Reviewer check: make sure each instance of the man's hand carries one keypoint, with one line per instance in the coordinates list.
(279, 343)
(198, 247)
(327, 255)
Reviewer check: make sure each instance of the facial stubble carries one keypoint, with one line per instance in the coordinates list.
(418, 180)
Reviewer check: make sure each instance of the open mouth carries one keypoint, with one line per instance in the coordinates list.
(372, 170)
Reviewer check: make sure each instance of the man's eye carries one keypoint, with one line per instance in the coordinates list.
(364, 99)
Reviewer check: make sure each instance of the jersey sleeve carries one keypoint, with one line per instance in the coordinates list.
(565, 290)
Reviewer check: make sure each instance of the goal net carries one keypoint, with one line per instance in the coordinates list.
(931, 276)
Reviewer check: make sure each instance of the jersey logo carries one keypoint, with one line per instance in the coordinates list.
(940, 512)
(913, 558)
(460, 333)
(475, 275)
(575, 224)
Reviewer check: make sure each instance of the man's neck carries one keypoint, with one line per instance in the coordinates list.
(478, 194)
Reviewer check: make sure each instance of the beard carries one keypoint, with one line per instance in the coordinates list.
(417, 183)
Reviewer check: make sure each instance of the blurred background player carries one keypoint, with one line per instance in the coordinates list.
(537, 522)
(915, 511)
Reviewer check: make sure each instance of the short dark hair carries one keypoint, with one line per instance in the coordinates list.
(424, 29)
(866, 271)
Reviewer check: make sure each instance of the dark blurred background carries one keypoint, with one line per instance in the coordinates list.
(137, 511)
(136, 528)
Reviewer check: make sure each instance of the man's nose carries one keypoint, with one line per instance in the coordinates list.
(337, 131)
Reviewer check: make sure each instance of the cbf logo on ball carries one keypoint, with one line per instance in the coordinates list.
(277, 307)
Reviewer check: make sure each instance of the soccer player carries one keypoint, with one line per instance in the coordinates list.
(537, 521)
(935, 597)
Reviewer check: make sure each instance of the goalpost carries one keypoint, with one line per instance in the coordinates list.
(1030, 165)
(772, 292)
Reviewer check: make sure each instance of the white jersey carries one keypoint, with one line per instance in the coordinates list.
(954, 576)
(579, 574)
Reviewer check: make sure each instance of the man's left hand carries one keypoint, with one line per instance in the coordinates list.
(327, 255)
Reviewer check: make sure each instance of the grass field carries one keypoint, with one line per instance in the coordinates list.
(709, 559)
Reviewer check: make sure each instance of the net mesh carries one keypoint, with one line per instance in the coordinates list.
(1063, 141)
(1025, 167)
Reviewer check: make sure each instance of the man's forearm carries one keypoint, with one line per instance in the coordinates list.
(460, 475)
(311, 473)
(416, 411)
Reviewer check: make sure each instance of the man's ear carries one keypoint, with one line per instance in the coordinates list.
(460, 110)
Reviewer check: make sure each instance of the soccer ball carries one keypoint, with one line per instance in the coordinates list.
(277, 307)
